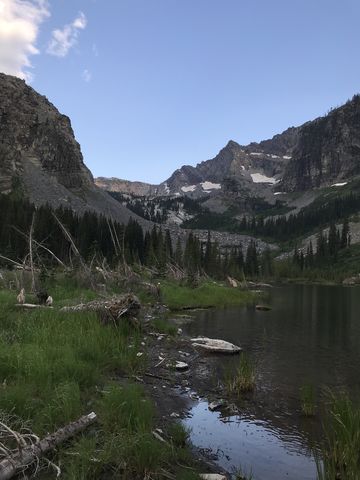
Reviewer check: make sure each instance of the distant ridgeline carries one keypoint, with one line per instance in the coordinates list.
(98, 238)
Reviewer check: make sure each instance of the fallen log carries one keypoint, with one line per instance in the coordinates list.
(31, 305)
(24, 457)
(213, 345)
(111, 310)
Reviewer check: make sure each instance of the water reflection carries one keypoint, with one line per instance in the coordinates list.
(311, 335)
(250, 444)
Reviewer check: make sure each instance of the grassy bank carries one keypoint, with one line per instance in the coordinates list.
(207, 294)
(55, 367)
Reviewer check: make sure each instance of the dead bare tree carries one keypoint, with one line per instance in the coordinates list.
(33, 287)
(74, 249)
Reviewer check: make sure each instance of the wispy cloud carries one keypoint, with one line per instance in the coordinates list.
(87, 76)
(62, 40)
(19, 28)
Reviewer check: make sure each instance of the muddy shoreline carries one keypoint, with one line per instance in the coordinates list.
(174, 392)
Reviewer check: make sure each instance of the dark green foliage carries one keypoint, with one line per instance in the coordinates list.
(99, 238)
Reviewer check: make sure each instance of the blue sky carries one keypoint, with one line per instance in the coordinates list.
(151, 85)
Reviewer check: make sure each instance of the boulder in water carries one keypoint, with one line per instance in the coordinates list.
(214, 345)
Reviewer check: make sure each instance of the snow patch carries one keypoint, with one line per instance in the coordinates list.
(279, 193)
(210, 186)
(166, 188)
(274, 156)
(287, 157)
(242, 166)
(189, 188)
(259, 178)
(256, 154)
(339, 184)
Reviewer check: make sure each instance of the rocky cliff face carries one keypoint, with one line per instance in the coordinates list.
(39, 154)
(33, 131)
(327, 151)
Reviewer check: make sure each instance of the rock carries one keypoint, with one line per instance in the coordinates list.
(263, 308)
(355, 280)
(181, 366)
(216, 405)
(212, 476)
(215, 345)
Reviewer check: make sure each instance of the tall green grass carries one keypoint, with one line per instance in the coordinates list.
(341, 449)
(208, 294)
(243, 379)
(57, 366)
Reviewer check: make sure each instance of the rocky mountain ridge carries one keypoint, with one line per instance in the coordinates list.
(40, 156)
(319, 153)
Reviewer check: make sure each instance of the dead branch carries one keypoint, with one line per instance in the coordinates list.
(74, 249)
(24, 456)
(40, 245)
(19, 265)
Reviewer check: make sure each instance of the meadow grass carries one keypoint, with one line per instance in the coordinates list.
(207, 294)
(56, 366)
(243, 379)
(341, 449)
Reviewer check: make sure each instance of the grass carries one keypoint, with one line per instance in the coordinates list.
(307, 395)
(341, 449)
(208, 294)
(243, 380)
(240, 475)
(55, 367)
(164, 326)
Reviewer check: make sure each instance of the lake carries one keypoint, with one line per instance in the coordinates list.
(311, 335)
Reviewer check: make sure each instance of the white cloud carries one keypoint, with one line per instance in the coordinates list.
(19, 28)
(87, 76)
(64, 39)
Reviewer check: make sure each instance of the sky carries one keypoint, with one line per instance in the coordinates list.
(151, 85)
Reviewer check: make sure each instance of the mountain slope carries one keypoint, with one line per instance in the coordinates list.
(40, 156)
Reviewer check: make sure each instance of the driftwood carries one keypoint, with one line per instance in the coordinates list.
(112, 310)
(24, 457)
(31, 306)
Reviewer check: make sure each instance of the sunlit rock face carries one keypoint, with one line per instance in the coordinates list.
(327, 151)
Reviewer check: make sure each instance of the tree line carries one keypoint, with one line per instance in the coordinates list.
(328, 246)
(98, 237)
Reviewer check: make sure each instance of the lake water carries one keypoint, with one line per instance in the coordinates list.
(310, 336)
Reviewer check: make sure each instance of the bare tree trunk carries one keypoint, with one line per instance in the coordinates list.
(31, 253)
(26, 456)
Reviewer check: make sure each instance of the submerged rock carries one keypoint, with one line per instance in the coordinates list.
(214, 345)
(263, 308)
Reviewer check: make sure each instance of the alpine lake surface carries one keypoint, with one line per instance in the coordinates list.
(311, 336)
